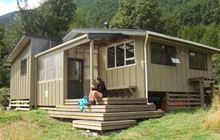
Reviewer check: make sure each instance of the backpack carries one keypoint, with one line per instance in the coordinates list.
(83, 103)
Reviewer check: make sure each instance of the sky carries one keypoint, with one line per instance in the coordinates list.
(7, 6)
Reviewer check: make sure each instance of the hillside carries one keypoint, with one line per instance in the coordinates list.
(8, 18)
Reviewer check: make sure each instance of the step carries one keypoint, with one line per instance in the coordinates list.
(103, 126)
(112, 101)
(107, 108)
(22, 109)
(106, 116)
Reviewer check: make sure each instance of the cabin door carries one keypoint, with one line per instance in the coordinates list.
(75, 79)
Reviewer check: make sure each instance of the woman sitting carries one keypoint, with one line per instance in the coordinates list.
(98, 92)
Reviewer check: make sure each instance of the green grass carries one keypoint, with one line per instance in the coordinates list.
(182, 125)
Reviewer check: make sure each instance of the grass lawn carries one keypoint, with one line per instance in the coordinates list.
(35, 125)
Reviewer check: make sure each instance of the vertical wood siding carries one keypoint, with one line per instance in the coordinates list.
(125, 76)
(51, 92)
(20, 85)
(164, 78)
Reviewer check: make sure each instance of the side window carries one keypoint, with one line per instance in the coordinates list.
(163, 54)
(111, 57)
(121, 55)
(23, 67)
(197, 61)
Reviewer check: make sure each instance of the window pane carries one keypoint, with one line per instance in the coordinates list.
(51, 67)
(111, 57)
(59, 68)
(198, 61)
(129, 50)
(162, 54)
(76, 70)
(41, 68)
(120, 55)
(23, 67)
(129, 62)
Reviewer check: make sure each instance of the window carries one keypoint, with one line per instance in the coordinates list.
(111, 57)
(129, 47)
(121, 55)
(41, 69)
(197, 61)
(163, 54)
(23, 67)
(50, 67)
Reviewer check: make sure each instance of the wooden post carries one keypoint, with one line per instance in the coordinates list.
(91, 60)
(146, 66)
(201, 89)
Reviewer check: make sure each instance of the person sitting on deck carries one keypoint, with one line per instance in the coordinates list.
(98, 92)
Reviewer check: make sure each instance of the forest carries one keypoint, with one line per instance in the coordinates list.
(195, 20)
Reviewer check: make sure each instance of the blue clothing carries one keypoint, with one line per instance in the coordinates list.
(83, 103)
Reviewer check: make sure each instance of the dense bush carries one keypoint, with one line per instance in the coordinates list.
(3, 97)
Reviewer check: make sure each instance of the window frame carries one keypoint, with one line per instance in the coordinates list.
(125, 59)
(23, 71)
(165, 45)
(201, 53)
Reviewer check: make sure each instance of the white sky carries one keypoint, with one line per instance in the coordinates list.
(7, 6)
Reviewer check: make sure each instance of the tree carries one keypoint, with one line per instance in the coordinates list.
(52, 18)
(138, 14)
(4, 72)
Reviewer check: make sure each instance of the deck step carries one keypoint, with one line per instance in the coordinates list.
(103, 126)
(106, 116)
(20, 104)
(112, 101)
(107, 108)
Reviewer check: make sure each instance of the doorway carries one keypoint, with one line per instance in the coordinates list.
(75, 79)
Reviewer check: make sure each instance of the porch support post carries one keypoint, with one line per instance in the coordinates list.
(146, 66)
(91, 60)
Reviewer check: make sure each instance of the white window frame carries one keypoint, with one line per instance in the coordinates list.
(125, 59)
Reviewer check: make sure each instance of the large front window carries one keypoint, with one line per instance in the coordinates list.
(121, 55)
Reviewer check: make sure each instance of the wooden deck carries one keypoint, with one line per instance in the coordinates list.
(109, 114)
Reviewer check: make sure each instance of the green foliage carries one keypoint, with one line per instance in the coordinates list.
(93, 13)
(3, 97)
(4, 72)
(137, 14)
(51, 19)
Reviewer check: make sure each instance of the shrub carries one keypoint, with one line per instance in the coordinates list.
(3, 97)
(216, 101)
(213, 120)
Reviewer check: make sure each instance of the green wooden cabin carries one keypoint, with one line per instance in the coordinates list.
(134, 63)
